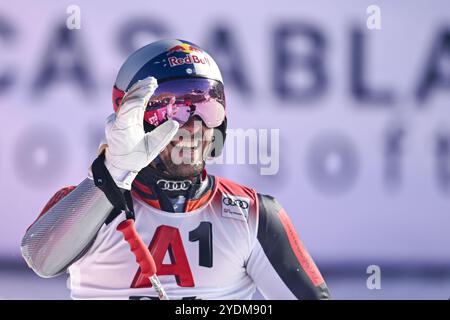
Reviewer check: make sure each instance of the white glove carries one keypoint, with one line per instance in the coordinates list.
(129, 148)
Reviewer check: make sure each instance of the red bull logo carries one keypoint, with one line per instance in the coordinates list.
(184, 47)
(193, 55)
(190, 59)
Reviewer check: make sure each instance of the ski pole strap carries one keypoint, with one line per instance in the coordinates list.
(119, 198)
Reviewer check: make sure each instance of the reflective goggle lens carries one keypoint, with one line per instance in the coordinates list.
(181, 99)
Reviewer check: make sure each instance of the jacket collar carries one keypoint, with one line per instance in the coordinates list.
(156, 188)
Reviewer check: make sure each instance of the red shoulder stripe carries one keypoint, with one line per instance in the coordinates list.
(300, 252)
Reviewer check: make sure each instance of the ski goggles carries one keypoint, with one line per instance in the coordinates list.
(182, 99)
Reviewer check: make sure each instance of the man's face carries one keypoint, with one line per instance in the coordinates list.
(184, 156)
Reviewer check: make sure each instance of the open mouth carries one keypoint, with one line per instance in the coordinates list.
(185, 145)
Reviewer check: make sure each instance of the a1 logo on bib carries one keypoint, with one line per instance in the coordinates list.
(235, 207)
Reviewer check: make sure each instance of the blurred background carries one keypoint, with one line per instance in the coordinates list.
(362, 106)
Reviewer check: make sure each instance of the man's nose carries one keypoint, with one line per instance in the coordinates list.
(194, 125)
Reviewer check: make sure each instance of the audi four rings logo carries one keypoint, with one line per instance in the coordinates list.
(174, 185)
(235, 202)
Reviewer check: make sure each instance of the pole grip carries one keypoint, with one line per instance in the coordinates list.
(138, 247)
